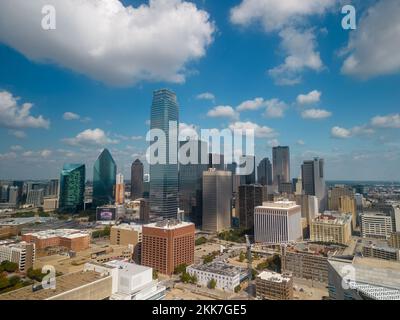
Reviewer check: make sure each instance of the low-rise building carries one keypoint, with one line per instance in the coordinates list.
(376, 225)
(71, 239)
(380, 251)
(307, 261)
(227, 277)
(21, 253)
(274, 286)
(331, 228)
(394, 240)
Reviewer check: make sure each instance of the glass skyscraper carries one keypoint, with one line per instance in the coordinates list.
(137, 175)
(72, 187)
(191, 181)
(104, 173)
(281, 164)
(164, 177)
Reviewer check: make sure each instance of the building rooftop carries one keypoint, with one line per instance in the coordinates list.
(62, 233)
(274, 277)
(220, 268)
(131, 227)
(338, 219)
(281, 204)
(64, 283)
(168, 224)
(127, 267)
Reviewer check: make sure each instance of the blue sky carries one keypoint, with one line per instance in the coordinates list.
(300, 79)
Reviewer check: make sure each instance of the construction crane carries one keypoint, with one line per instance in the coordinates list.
(249, 264)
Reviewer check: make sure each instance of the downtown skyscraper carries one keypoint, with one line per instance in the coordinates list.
(264, 172)
(281, 164)
(314, 182)
(72, 187)
(164, 177)
(137, 174)
(104, 173)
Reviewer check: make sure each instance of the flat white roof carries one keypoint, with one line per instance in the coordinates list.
(283, 204)
(273, 277)
(64, 233)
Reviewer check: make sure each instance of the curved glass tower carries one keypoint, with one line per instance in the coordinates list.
(72, 187)
(104, 173)
(164, 177)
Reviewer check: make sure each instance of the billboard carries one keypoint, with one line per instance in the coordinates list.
(105, 213)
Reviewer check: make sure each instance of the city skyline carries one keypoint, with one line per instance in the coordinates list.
(326, 108)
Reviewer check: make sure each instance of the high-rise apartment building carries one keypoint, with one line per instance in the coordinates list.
(250, 196)
(335, 193)
(13, 198)
(376, 225)
(164, 177)
(35, 198)
(72, 187)
(52, 189)
(137, 174)
(191, 179)
(167, 244)
(277, 222)
(119, 189)
(21, 253)
(314, 182)
(264, 172)
(281, 164)
(104, 173)
(331, 229)
(217, 198)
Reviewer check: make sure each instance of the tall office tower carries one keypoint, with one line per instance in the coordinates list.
(250, 162)
(35, 197)
(216, 200)
(119, 189)
(72, 187)
(216, 161)
(191, 180)
(4, 193)
(298, 187)
(167, 244)
(250, 196)
(137, 174)
(164, 177)
(281, 164)
(277, 222)
(13, 198)
(104, 173)
(309, 206)
(235, 177)
(144, 210)
(20, 185)
(335, 193)
(347, 204)
(313, 181)
(264, 172)
(52, 188)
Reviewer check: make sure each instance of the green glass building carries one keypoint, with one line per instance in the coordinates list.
(72, 187)
(104, 173)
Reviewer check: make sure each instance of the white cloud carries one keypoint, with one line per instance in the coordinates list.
(315, 114)
(373, 48)
(206, 96)
(71, 116)
(309, 98)
(90, 137)
(340, 133)
(28, 153)
(45, 153)
(135, 138)
(276, 14)
(343, 133)
(389, 121)
(17, 133)
(300, 47)
(288, 18)
(300, 142)
(16, 148)
(13, 115)
(187, 130)
(273, 143)
(254, 104)
(223, 112)
(8, 156)
(110, 42)
(275, 108)
(259, 131)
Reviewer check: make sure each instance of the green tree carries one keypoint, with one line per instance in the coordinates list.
(200, 241)
(212, 284)
(4, 283)
(242, 256)
(155, 274)
(185, 277)
(193, 279)
(238, 288)
(180, 269)
(9, 266)
(14, 280)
